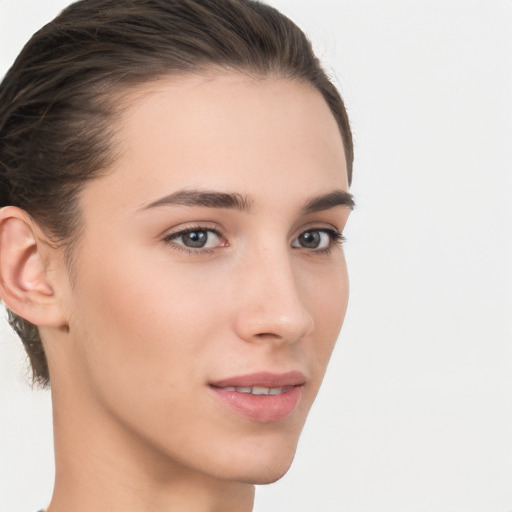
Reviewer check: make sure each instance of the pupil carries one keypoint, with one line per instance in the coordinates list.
(195, 239)
(310, 239)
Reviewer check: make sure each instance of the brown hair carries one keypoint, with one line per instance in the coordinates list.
(56, 101)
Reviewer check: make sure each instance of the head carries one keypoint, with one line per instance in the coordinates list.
(154, 158)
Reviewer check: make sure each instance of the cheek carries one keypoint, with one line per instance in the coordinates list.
(145, 350)
(327, 292)
(327, 299)
(139, 324)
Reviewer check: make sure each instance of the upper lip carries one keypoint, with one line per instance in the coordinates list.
(262, 379)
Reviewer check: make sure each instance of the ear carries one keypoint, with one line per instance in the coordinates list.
(25, 280)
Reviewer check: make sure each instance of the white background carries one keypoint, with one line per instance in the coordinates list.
(416, 410)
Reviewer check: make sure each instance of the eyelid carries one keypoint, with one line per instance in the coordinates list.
(170, 236)
(192, 226)
(335, 235)
(318, 226)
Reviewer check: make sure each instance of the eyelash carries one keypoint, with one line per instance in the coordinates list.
(336, 238)
(189, 250)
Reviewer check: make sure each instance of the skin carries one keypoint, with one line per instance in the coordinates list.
(146, 323)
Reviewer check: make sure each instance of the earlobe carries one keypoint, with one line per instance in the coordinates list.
(25, 286)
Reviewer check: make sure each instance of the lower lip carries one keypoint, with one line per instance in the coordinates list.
(262, 408)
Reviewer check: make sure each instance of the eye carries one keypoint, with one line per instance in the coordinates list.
(196, 238)
(317, 239)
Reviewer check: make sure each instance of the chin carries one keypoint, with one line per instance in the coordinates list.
(263, 476)
(263, 466)
(271, 475)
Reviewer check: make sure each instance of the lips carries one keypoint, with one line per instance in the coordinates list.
(262, 379)
(263, 397)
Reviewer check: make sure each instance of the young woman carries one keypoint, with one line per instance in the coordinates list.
(174, 181)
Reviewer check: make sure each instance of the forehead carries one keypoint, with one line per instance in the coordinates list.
(227, 132)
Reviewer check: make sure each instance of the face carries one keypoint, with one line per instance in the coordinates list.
(210, 282)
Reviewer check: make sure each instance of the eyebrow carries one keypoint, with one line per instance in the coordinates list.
(204, 198)
(328, 201)
(233, 201)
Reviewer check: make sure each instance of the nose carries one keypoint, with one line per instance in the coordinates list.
(270, 303)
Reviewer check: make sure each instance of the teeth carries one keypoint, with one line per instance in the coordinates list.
(256, 390)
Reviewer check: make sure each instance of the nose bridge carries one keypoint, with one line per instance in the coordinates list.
(271, 303)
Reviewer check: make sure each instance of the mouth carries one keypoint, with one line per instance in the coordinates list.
(258, 390)
(262, 397)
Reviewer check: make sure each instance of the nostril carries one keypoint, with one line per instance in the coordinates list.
(268, 335)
